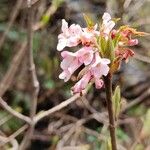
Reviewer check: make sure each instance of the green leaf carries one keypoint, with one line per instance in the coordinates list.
(102, 43)
(122, 135)
(146, 127)
(116, 100)
(57, 3)
(109, 50)
(116, 39)
(88, 20)
(116, 19)
(106, 145)
(49, 84)
(45, 19)
(139, 147)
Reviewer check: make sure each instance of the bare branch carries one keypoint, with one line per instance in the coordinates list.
(14, 135)
(137, 100)
(32, 72)
(58, 107)
(142, 58)
(13, 112)
(50, 11)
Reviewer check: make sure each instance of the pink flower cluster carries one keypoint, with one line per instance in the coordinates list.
(101, 50)
(88, 55)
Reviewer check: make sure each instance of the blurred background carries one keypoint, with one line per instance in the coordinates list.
(81, 125)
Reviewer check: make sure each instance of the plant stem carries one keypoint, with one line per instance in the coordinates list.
(108, 87)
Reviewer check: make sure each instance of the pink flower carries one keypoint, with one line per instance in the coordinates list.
(88, 36)
(95, 71)
(72, 61)
(108, 24)
(100, 66)
(82, 83)
(69, 64)
(98, 69)
(85, 55)
(70, 36)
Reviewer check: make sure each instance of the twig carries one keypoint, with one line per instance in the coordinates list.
(50, 11)
(65, 138)
(34, 80)
(142, 58)
(5, 119)
(38, 117)
(13, 112)
(108, 87)
(137, 100)
(13, 142)
(10, 74)
(14, 135)
(12, 18)
(31, 64)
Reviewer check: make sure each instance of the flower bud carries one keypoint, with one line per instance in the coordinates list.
(133, 42)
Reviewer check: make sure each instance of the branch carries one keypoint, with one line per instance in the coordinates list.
(137, 101)
(14, 135)
(32, 72)
(31, 65)
(13, 142)
(142, 58)
(40, 116)
(108, 88)
(50, 11)
(10, 74)
(13, 112)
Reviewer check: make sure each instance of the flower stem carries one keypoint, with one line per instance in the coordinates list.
(108, 87)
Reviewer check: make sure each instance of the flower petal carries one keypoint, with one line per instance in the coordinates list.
(65, 76)
(61, 44)
(64, 27)
(106, 16)
(82, 83)
(98, 83)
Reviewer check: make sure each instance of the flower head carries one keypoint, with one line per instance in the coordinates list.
(70, 36)
(95, 71)
(101, 51)
(72, 61)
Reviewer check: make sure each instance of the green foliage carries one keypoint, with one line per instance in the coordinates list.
(55, 139)
(106, 145)
(139, 147)
(116, 100)
(102, 43)
(107, 48)
(122, 136)
(57, 3)
(12, 125)
(45, 19)
(88, 20)
(49, 84)
(14, 34)
(36, 43)
(95, 142)
(116, 39)
(137, 111)
(146, 124)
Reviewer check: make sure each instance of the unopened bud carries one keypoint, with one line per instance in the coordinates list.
(133, 42)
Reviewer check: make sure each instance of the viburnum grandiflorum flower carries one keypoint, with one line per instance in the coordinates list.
(101, 51)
